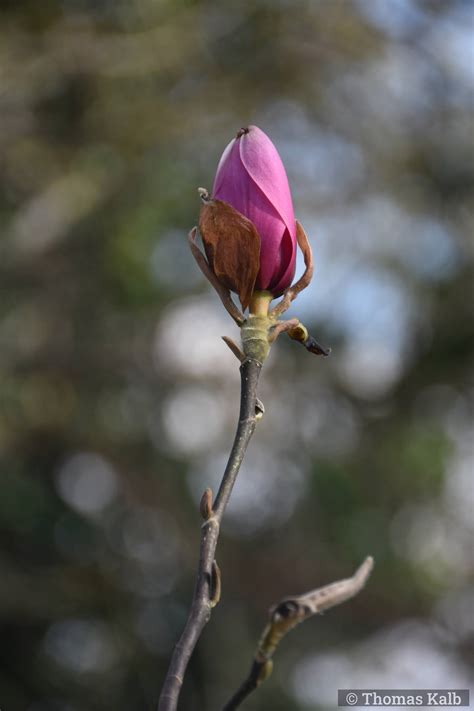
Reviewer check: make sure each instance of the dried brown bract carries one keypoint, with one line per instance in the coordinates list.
(232, 246)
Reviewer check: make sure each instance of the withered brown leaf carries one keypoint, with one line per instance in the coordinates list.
(232, 246)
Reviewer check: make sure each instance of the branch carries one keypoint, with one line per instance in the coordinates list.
(207, 588)
(288, 613)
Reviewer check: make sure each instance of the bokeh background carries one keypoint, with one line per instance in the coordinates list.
(118, 400)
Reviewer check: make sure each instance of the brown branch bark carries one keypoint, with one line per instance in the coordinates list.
(206, 591)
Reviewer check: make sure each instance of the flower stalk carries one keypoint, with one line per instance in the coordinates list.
(208, 583)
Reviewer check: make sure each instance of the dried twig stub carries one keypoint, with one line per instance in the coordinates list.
(287, 614)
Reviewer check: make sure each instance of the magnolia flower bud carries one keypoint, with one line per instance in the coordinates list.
(248, 227)
(251, 178)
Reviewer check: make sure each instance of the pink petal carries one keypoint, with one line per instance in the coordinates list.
(283, 280)
(232, 183)
(251, 177)
(264, 165)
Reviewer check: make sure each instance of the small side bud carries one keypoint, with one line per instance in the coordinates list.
(259, 409)
(299, 333)
(216, 585)
(205, 506)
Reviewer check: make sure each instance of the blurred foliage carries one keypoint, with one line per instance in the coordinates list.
(118, 400)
